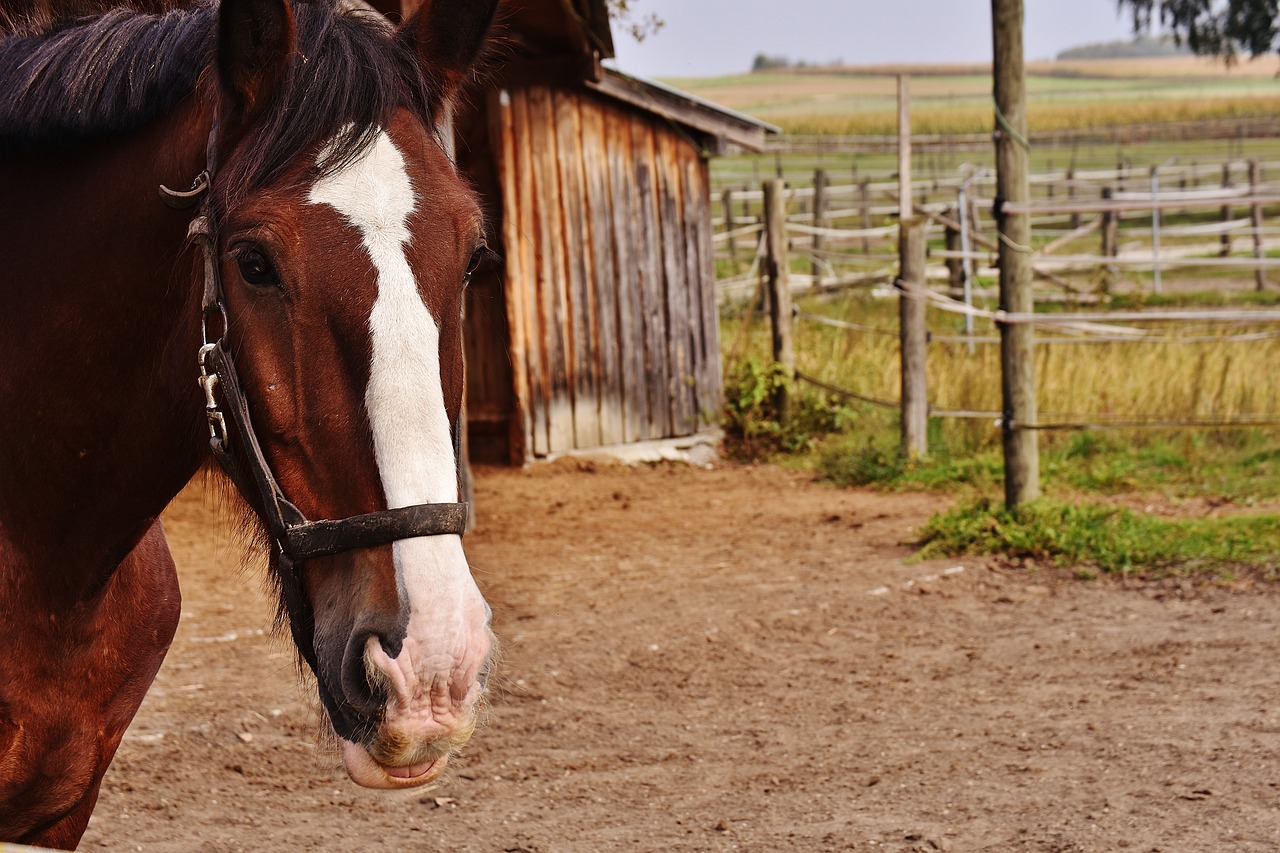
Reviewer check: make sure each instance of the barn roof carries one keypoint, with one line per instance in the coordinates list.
(721, 124)
(578, 31)
(557, 27)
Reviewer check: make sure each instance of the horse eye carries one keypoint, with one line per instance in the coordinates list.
(477, 257)
(255, 269)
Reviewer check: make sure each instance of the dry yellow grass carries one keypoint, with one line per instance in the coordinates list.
(1220, 380)
(1041, 117)
(1181, 67)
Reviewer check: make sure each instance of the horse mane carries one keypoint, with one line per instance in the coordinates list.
(92, 78)
(68, 80)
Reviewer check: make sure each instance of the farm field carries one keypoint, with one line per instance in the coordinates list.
(1078, 94)
(737, 659)
(1191, 258)
(1125, 101)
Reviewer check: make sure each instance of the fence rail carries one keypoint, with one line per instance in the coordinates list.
(860, 244)
(842, 229)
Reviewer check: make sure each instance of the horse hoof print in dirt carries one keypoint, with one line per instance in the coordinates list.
(311, 278)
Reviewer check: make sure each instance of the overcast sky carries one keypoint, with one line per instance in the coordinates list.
(708, 37)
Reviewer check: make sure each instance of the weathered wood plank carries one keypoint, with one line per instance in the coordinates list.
(513, 273)
(553, 296)
(627, 251)
(650, 268)
(600, 215)
(579, 269)
(671, 209)
(526, 286)
(702, 288)
(695, 209)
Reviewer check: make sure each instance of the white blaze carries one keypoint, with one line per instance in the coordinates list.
(405, 401)
(411, 437)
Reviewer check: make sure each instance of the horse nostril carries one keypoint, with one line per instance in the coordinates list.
(365, 694)
(391, 647)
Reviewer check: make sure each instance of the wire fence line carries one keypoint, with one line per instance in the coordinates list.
(830, 249)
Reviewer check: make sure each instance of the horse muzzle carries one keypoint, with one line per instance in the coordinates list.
(433, 705)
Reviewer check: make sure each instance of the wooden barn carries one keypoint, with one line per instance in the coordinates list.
(599, 326)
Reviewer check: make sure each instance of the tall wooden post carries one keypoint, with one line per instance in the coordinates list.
(911, 281)
(914, 337)
(904, 148)
(1017, 344)
(777, 273)
(819, 221)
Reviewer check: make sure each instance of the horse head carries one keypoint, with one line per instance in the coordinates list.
(342, 259)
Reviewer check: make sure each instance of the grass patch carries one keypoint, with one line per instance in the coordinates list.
(1108, 538)
(874, 460)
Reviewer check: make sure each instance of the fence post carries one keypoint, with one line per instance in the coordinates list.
(1110, 236)
(1071, 196)
(864, 203)
(955, 266)
(726, 199)
(1155, 230)
(1255, 221)
(819, 221)
(904, 147)
(1017, 342)
(777, 273)
(975, 222)
(1226, 212)
(914, 334)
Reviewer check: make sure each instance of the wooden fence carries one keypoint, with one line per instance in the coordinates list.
(1065, 209)
(848, 231)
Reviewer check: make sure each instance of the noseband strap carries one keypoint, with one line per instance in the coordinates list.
(297, 539)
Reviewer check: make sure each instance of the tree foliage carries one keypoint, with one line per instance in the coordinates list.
(767, 62)
(638, 25)
(1223, 27)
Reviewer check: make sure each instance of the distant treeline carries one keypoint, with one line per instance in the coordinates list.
(765, 62)
(1142, 47)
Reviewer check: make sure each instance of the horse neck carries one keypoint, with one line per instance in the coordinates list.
(100, 416)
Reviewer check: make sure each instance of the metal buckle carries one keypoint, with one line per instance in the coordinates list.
(205, 314)
(208, 383)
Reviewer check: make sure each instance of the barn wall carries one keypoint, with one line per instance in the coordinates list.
(610, 284)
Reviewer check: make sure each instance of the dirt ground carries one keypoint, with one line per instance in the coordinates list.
(736, 659)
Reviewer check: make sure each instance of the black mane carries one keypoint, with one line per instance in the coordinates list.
(99, 76)
(109, 75)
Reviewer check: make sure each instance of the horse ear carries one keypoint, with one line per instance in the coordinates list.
(255, 39)
(449, 36)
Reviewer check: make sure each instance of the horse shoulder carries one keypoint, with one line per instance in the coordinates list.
(56, 742)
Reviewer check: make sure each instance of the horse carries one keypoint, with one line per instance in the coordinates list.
(232, 234)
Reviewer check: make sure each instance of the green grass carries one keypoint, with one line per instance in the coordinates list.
(1088, 477)
(1239, 467)
(1106, 538)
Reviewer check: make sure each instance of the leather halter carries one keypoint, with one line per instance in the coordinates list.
(296, 538)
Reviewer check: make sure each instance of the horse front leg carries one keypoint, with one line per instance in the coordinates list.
(62, 715)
